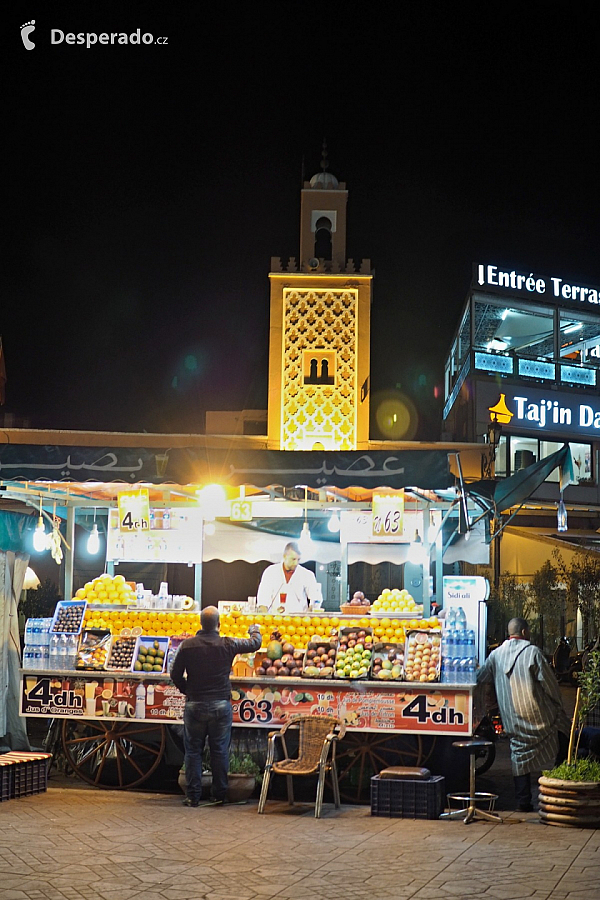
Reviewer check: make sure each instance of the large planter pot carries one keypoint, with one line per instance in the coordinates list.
(241, 787)
(571, 804)
(206, 783)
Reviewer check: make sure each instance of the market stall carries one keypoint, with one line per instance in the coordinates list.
(113, 719)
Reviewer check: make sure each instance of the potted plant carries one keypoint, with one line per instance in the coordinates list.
(570, 793)
(244, 774)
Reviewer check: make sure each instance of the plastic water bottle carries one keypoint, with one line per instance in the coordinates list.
(63, 651)
(53, 651)
(44, 657)
(471, 671)
(28, 633)
(451, 619)
(461, 619)
(470, 644)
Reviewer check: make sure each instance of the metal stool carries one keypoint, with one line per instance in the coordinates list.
(471, 812)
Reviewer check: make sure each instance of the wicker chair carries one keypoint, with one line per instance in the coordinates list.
(318, 736)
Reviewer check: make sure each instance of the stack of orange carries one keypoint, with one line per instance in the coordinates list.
(159, 624)
(297, 630)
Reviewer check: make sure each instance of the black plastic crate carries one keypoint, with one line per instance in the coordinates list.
(6, 785)
(404, 798)
(30, 777)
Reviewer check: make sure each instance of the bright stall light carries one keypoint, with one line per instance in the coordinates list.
(93, 544)
(40, 538)
(334, 524)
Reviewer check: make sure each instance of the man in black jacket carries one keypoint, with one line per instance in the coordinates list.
(201, 671)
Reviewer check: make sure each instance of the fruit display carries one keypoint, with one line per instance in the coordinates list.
(68, 617)
(108, 590)
(150, 655)
(94, 647)
(281, 659)
(297, 629)
(320, 659)
(121, 654)
(388, 662)
(353, 659)
(151, 622)
(358, 604)
(396, 601)
(422, 656)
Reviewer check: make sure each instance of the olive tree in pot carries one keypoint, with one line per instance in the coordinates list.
(570, 793)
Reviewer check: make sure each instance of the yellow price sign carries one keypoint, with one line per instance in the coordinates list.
(388, 516)
(134, 510)
(241, 511)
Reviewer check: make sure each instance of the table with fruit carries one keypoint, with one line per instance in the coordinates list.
(377, 668)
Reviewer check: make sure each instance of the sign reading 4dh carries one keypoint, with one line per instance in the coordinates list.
(134, 510)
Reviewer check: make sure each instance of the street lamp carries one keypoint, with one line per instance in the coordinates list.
(494, 433)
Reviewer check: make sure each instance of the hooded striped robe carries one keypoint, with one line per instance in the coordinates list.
(530, 703)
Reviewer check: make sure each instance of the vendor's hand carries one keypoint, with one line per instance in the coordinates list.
(254, 629)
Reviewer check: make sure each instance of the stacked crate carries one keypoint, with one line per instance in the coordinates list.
(23, 773)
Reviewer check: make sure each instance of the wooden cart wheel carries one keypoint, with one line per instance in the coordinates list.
(116, 755)
(364, 754)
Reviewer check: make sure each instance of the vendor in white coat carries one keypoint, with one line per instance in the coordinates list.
(287, 586)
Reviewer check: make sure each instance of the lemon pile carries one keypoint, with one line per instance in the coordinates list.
(107, 589)
(396, 600)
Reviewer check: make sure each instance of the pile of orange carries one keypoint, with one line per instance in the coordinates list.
(297, 630)
(159, 624)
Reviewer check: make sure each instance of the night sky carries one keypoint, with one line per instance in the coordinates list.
(148, 186)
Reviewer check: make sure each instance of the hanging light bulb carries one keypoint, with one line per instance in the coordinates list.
(40, 538)
(561, 515)
(305, 539)
(416, 551)
(334, 523)
(93, 544)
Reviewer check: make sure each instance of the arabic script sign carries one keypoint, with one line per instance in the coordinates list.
(427, 469)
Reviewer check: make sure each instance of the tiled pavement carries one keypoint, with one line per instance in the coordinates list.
(77, 842)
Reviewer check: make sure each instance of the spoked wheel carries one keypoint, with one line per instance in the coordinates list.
(363, 754)
(115, 755)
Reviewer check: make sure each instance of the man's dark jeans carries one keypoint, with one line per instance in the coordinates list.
(212, 719)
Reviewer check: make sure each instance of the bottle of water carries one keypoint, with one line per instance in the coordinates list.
(27, 656)
(451, 618)
(453, 670)
(72, 644)
(28, 633)
(470, 645)
(63, 651)
(471, 671)
(44, 657)
(446, 643)
(53, 656)
(461, 619)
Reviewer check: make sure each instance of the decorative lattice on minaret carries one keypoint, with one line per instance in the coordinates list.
(319, 369)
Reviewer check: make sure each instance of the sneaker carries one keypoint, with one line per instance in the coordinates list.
(189, 802)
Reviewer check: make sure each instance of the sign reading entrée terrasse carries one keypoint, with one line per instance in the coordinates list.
(540, 286)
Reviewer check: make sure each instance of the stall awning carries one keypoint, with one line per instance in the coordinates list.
(426, 469)
(500, 496)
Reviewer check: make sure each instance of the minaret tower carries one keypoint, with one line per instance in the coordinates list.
(320, 331)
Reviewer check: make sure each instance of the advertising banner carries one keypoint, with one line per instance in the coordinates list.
(435, 709)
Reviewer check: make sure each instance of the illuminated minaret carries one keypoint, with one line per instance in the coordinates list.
(320, 331)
